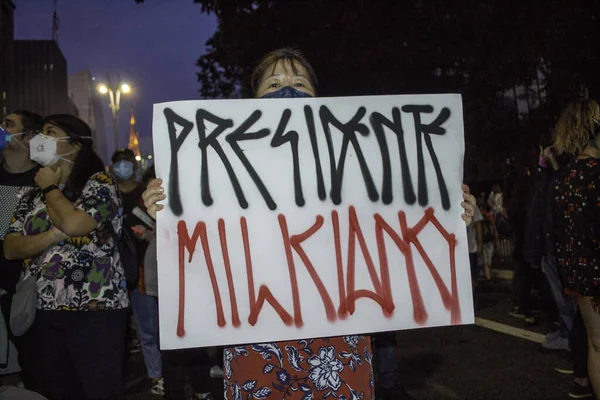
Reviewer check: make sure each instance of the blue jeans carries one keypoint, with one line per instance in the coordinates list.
(564, 304)
(145, 309)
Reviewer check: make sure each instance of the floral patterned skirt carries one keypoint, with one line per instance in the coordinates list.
(337, 368)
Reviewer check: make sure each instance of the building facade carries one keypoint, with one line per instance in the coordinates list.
(7, 57)
(84, 98)
(40, 82)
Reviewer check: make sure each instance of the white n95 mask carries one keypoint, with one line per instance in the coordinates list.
(42, 150)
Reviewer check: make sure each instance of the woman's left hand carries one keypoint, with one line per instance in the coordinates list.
(468, 205)
(47, 177)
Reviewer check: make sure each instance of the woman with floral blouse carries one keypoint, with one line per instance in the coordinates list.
(62, 229)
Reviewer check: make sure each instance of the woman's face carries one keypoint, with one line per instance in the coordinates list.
(63, 147)
(283, 75)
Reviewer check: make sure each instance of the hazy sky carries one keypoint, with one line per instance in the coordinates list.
(153, 46)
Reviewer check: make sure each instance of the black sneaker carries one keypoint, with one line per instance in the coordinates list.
(580, 392)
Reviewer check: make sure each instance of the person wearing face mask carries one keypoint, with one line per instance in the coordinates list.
(63, 229)
(285, 73)
(577, 227)
(17, 172)
(144, 324)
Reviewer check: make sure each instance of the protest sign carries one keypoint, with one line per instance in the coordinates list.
(300, 218)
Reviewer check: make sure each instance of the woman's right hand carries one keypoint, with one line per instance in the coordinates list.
(152, 195)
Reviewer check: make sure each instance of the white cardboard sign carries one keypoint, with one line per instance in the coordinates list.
(302, 218)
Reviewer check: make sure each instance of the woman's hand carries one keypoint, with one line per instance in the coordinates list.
(152, 195)
(468, 205)
(47, 177)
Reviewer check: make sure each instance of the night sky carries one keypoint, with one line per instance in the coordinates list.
(153, 46)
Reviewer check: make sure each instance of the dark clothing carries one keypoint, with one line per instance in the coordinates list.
(539, 230)
(179, 365)
(132, 200)
(578, 341)
(474, 263)
(10, 186)
(577, 222)
(75, 355)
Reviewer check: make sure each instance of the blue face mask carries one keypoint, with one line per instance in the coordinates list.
(123, 169)
(5, 138)
(286, 92)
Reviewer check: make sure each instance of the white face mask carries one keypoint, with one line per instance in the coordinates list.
(42, 150)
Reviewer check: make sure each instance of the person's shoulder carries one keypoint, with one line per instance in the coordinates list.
(103, 177)
(26, 178)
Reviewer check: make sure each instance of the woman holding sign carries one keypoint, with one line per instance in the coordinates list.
(331, 367)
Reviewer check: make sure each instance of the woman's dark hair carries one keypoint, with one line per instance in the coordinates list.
(123, 154)
(87, 162)
(295, 58)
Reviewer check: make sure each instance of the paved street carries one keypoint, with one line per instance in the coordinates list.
(469, 362)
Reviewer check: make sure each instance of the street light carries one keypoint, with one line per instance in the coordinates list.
(114, 95)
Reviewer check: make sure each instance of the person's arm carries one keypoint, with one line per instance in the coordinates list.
(99, 199)
(21, 247)
(66, 217)
(18, 246)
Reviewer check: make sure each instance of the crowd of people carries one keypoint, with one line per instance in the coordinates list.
(551, 218)
(78, 268)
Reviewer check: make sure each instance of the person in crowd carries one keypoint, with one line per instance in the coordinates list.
(75, 347)
(124, 169)
(540, 246)
(475, 243)
(489, 239)
(285, 73)
(496, 200)
(526, 275)
(577, 219)
(145, 308)
(17, 173)
(144, 299)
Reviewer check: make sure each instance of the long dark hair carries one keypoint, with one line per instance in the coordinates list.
(87, 162)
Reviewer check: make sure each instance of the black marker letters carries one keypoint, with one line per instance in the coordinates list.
(235, 132)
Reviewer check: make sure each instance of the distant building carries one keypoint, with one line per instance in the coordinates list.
(83, 97)
(40, 82)
(7, 57)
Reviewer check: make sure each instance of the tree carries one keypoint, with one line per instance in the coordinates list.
(481, 49)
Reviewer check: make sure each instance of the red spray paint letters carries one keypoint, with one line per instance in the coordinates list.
(404, 237)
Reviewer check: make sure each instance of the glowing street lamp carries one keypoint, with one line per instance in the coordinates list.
(114, 95)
